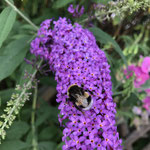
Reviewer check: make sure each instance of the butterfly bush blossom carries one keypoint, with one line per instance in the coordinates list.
(76, 12)
(142, 75)
(74, 57)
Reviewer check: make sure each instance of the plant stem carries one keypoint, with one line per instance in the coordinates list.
(21, 14)
(34, 141)
(34, 73)
(21, 95)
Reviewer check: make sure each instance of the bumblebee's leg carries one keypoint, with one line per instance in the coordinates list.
(78, 108)
(82, 85)
(89, 92)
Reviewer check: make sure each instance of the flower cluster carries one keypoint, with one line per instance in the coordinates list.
(75, 58)
(75, 11)
(141, 76)
(119, 8)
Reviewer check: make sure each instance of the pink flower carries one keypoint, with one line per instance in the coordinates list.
(146, 65)
(146, 104)
(147, 92)
(140, 77)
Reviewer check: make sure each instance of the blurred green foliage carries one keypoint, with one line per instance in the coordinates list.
(123, 39)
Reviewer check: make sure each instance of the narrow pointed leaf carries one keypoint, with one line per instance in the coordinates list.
(7, 19)
(105, 38)
(61, 3)
(13, 55)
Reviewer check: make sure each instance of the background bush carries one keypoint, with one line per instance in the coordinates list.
(121, 29)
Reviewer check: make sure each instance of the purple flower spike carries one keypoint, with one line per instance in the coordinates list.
(75, 58)
(75, 11)
(71, 9)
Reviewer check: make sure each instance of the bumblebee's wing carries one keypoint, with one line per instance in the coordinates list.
(89, 106)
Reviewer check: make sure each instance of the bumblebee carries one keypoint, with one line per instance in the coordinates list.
(79, 97)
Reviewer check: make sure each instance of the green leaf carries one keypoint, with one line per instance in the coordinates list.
(105, 38)
(127, 114)
(131, 101)
(101, 1)
(17, 130)
(6, 94)
(11, 1)
(25, 67)
(48, 133)
(13, 145)
(59, 146)
(50, 81)
(42, 117)
(145, 86)
(61, 3)
(46, 112)
(7, 19)
(47, 145)
(13, 55)
(28, 27)
(47, 13)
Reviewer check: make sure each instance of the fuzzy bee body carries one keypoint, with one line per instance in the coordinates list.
(80, 98)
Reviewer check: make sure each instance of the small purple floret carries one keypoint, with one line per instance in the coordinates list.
(75, 11)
